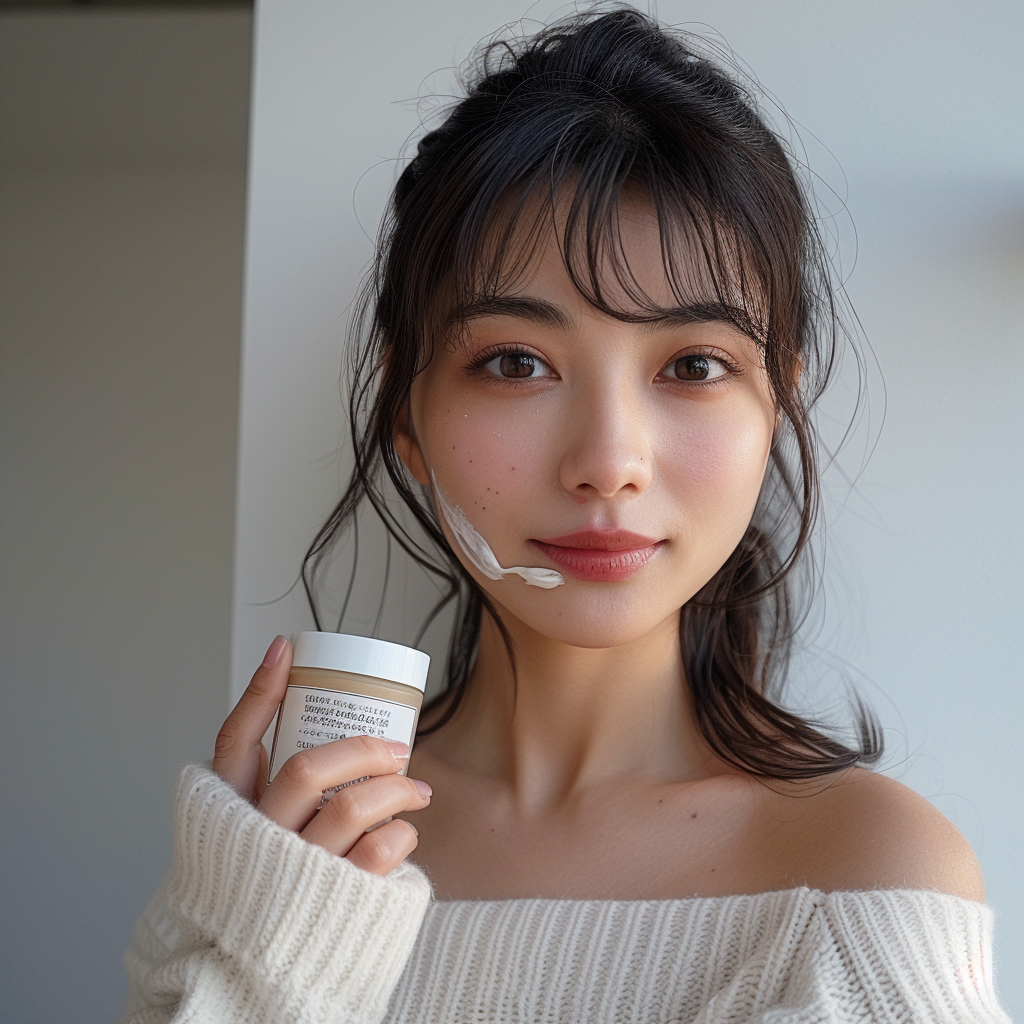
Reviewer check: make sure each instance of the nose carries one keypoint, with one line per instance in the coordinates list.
(608, 450)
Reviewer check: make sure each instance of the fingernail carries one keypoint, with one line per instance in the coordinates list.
(412, 826)
(274, 652)
(424, 789)
(400, 750)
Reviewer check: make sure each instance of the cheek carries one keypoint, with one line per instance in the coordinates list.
(484, 457)
(717, 465)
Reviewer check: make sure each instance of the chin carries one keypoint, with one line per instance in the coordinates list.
(593, 621)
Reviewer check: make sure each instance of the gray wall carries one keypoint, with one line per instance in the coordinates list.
(911, 115)
(121, 217)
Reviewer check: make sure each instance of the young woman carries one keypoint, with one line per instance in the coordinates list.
(597, 323)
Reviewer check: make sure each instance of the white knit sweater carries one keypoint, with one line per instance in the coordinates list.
(255, 925)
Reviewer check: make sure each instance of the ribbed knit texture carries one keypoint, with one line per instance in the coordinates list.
(267, 927)
(793, 956)
(256, 925)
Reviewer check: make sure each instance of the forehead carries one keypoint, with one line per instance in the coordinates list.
(627, 259)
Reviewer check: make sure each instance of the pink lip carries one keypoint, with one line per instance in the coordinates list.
(600, 556)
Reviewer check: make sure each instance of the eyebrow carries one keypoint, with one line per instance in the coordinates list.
(550, 314)
(524, 307)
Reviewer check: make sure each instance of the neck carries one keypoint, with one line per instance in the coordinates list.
(572, 719)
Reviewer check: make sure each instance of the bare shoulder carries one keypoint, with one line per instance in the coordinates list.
(867, 831)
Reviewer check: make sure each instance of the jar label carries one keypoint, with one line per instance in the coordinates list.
(310, 716)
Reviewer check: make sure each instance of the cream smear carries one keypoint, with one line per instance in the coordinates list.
(479, 552)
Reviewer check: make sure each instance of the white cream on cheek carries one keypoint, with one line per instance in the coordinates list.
(479, 552)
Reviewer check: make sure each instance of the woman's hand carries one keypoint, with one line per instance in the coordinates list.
(293, 799)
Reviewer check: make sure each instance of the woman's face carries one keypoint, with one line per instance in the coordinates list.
(628, 457)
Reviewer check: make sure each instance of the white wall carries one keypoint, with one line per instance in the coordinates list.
(919, 105)
(122, 179)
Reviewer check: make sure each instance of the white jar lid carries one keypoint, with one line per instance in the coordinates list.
(361, 655)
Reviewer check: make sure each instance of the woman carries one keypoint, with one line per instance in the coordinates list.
(598, 320)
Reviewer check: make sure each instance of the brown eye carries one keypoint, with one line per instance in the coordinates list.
(693, 368)
(518, 366)
(696, 368)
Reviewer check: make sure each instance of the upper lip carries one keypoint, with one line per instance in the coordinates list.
(600, 540)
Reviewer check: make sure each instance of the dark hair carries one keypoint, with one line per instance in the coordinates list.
(594, 105)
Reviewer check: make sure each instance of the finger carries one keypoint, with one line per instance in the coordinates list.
(236, 756)
(294, 795)
(261, 775)
(383, 849)
(354, 809)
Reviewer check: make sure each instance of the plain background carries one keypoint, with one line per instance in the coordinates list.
(122, 185)
(123, 174)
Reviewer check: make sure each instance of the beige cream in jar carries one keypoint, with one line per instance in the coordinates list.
(342, 685)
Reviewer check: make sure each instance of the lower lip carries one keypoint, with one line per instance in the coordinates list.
(599, 566)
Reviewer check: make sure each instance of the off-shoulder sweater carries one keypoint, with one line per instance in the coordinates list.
(255, 925)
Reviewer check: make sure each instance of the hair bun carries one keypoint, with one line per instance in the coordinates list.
(427, 149)
(430, 143)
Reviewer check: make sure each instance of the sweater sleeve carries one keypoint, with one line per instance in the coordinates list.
(898, 955)
(254, 924)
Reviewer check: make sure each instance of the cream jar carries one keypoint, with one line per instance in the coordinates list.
(343, 686)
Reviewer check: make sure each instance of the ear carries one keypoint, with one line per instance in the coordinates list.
(408, 447)
(798, 370)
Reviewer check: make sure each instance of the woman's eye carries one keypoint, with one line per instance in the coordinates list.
(517, 366)
(696, 368)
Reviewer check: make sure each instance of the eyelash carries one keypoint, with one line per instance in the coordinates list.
(476, 367)
(732, 370)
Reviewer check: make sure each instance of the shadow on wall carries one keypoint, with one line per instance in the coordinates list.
(121, 221)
